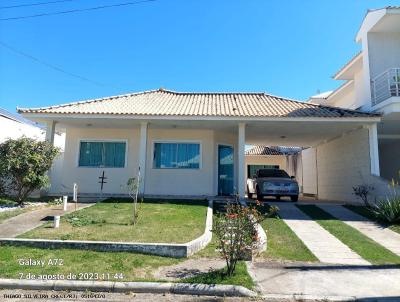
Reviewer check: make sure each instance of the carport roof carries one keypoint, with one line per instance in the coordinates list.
(163, 102)
(272, 150)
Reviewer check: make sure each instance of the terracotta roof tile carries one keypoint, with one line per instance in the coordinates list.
(223, 104)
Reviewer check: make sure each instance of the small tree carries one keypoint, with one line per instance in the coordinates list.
(237, 234)
(363, 191)
(132, 186)
(24, 164)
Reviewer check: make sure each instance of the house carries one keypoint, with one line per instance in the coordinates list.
(16, 126)
(371, 83)
(188, 143)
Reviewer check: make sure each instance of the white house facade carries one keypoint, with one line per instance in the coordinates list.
(193, 144)
(372, 84)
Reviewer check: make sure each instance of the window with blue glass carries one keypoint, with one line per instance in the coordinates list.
(102, 154)
(176, 155)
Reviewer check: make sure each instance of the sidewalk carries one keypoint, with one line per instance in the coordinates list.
(385, 237)
(25, 222)
(368, 282)
(326, 247)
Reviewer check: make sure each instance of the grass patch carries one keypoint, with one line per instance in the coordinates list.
(159, 221)
(240, 277)
(363, 211)
(282, 242)
(355, 240)
(134, 267)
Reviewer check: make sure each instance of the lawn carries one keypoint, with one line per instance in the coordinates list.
(170, 221)
(355, 240)
(239, 277)
(133, 267)
(282, 242)
(363, 211)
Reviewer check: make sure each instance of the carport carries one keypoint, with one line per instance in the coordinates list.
(339, 153)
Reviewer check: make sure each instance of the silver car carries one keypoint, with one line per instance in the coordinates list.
(272, 182)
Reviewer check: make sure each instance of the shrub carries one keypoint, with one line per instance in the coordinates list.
(236, 231)
(387, 210)
(363, 191)
(24, 164)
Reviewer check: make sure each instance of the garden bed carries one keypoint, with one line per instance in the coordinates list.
(363, 211)
(163, 221)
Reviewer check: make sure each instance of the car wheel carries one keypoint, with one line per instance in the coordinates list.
(259, 195)
(294, 198)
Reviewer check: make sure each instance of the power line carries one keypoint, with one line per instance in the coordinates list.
(59, 69)
(34, 4)
(77, 10)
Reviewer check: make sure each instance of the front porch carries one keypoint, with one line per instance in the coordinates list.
(345, 147)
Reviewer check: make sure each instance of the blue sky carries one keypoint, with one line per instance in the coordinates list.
(286, 48)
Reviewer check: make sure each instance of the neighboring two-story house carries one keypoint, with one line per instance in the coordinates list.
(372, 84)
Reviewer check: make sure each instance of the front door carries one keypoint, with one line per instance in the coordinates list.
(225, 170)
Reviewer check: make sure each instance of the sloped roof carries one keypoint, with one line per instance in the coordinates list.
(219, 104)
(273, 150)
(18, 118)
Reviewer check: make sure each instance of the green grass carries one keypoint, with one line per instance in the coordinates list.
(239, 277)
(282, 242)
(355, 240)
(134, 267)
(363, 211)
(159, 221)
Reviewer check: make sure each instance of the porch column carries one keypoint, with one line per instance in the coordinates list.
(373, 149)
(142, 156)
(50, 132)
(241, 160)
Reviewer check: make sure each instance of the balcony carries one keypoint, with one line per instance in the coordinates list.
(385, 86)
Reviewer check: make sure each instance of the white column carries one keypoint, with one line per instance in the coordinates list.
(373, 149)
(50, 131)
(142, 156)
(241, 159)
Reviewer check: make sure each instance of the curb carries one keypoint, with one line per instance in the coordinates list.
(137, 287)
(311, 298)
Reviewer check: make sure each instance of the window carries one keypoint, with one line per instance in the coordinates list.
(252, 169)
(102, 154)
(176, 155)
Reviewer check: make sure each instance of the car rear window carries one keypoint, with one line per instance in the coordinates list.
(272, 173)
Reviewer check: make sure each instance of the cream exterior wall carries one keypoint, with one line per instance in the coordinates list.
(201, 181)
(309, 169)
(279, 160)
(181, 181)
(87, 178)
(342, 164)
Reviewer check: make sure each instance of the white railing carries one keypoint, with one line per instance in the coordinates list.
(385, 85)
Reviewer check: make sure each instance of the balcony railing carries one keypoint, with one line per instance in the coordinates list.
(385, 85)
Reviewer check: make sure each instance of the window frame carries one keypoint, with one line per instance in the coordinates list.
(89, 140)
(153, 149)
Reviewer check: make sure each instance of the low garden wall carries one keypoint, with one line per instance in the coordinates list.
(161, 249)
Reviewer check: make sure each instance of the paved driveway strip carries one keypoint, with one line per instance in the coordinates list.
(326, 247)
(381, 235)
(25, 222)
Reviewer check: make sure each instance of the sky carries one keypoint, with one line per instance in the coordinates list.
(286, 48)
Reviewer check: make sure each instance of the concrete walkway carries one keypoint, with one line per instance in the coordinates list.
(383, 236)
(25, 222)
(363, 282)
(326, 247)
